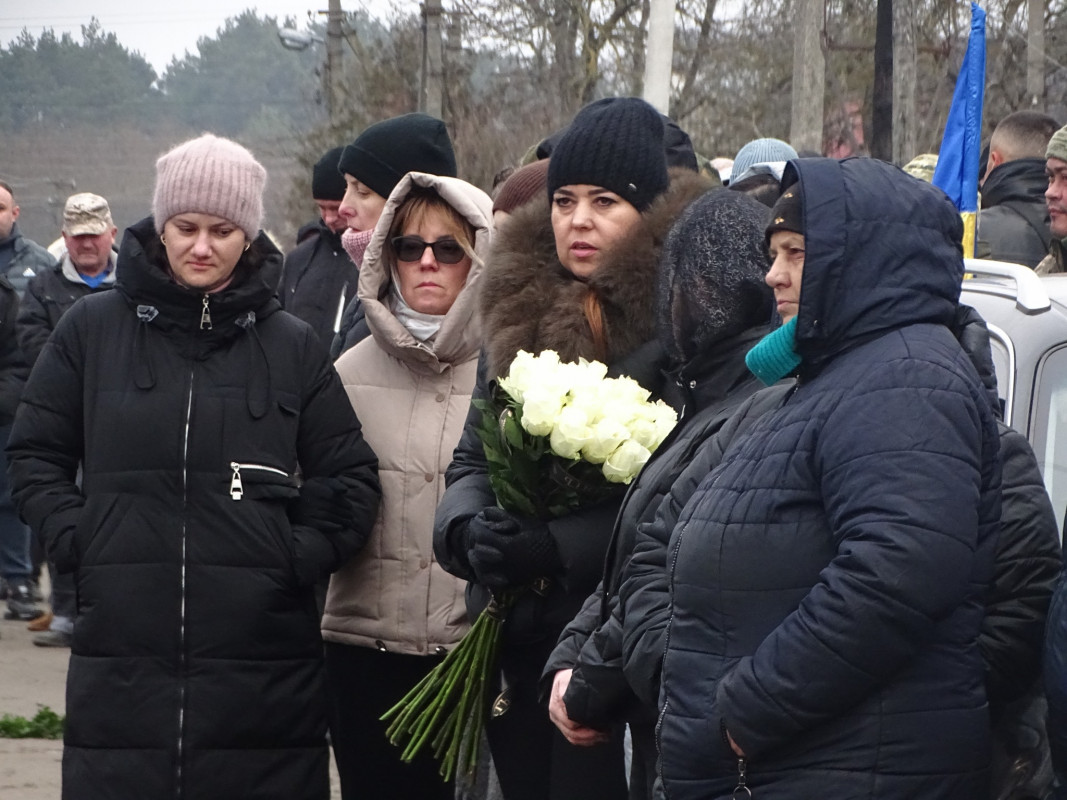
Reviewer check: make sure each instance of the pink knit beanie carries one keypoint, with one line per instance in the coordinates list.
(210, 175)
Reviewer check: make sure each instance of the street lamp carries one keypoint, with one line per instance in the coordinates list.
(294, 39)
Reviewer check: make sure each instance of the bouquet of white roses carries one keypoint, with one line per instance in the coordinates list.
(556, 436)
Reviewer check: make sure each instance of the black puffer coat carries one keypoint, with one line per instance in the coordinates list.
(319, 279)
(49, 295)
(828, 578)
(196, 668)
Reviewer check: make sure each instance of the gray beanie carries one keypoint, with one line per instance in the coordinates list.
(1057, 145)
(210, 175)
(760, 151)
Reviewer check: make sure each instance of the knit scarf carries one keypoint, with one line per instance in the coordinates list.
(355, 244)
(775, 355)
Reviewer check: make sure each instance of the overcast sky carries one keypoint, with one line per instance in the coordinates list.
(159, 31)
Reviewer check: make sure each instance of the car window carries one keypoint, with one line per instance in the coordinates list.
(1003, 366)
(1049, 423)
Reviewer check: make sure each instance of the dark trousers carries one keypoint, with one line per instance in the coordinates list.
(532, 759)
(363, 685)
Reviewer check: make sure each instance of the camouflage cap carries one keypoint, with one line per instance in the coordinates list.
(86, 213)
(922, 167)
(1057, 145)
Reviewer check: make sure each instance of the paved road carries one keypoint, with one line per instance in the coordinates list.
(30, 677)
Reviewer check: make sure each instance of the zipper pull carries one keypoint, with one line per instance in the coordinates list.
(205, 316)
(741, 791)
(237, 490)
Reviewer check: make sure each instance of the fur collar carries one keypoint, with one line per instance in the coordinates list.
(529, 301)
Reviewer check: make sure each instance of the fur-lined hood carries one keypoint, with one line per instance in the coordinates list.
(529, 301)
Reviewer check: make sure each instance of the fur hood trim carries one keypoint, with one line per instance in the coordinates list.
(529, 301)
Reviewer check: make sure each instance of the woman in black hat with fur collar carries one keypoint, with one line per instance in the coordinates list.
(577, 277)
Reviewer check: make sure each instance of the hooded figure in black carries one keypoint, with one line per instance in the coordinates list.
(190, 401)
(713, 305)
(828, 578)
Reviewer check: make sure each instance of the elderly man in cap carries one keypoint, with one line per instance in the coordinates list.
(88, 266)
(1056, 199)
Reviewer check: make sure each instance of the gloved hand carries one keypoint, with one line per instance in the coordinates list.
(508, 551)
(323, 504)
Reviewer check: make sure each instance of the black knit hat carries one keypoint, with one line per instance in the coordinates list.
(327, 182)
(388, 150)
(787, 213)
(615, 143)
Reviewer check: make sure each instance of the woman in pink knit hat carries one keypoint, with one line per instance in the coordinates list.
(189, 401)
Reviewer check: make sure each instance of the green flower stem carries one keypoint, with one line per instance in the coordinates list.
(448, 707)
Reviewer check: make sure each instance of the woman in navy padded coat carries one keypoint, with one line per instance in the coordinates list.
(828, 577)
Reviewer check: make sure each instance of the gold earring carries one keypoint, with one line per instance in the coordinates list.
(247, 245)
(163, 239)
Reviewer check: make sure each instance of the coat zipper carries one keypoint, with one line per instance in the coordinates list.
(237, 488)
(205, 317)
(181, 625)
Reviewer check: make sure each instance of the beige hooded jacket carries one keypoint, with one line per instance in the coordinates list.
(412, 398)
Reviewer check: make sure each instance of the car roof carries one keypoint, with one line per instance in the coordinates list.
(1027, 314)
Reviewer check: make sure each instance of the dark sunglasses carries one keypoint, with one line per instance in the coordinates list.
(411, 248)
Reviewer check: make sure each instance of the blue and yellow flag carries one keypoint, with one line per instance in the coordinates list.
(959, 160)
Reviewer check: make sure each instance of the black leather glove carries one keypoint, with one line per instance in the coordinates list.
(508, 551)
(323, 504)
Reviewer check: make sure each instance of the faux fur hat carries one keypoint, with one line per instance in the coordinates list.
(711, 274)
(210, 175)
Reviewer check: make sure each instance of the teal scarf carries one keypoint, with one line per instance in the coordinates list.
(775, 355)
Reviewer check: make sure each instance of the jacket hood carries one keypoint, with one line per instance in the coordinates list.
(1022, 179)
(178, 312)
(882, 250)
(460, 335)
(529, 301)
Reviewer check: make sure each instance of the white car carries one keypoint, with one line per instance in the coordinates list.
(1027, 318)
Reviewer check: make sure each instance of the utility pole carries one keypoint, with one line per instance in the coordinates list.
(334, 69)
(809, 78)
(431, 95)
(659, 55)
(904, 81)
(882, 111)
(1035, 55)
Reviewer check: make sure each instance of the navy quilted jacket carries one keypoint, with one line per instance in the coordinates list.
(828, 577)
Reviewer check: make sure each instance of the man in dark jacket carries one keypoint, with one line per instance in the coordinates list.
(319, 278)
(1014, 219)
(19, 257)
(88, 266)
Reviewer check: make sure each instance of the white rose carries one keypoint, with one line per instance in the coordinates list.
(526, 371)
(624, 464)
(607, 436)
(541, 408)
(571, 434)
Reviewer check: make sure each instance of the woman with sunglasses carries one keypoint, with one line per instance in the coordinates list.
(577, 275)
(391, 612)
